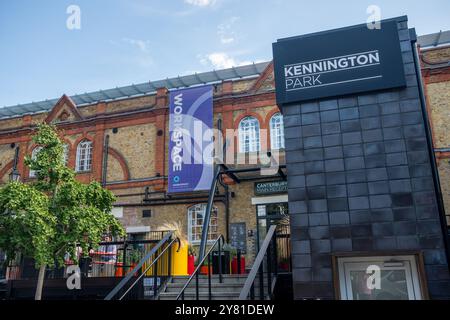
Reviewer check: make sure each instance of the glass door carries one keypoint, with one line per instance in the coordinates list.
(398, 278)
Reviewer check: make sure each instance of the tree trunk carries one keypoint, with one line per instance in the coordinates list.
(40, 283)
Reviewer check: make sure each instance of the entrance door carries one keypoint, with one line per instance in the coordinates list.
(276, 214)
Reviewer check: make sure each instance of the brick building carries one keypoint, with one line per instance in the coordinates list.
(120, 137)
(435, 61)
(123, 143)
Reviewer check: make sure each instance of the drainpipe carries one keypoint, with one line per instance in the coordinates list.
(105, 160)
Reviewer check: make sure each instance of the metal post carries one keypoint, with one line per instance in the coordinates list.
(269, 269)
(169, 266)
(212, 192)
(155, 278)
(196, 284)
(261, 281)
(124, 261)
(209, 277)
(238, 261)
(220, 262)
(275, 252)
(207, 216)
(252, 292)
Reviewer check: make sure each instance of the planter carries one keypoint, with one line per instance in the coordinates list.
(225, 259)
(119, 269)
(234, 265)
(204, 270)
(191, 265)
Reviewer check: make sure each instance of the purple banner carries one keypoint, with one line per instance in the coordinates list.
(190, 145)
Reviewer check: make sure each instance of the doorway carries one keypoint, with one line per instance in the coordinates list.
(276, 214)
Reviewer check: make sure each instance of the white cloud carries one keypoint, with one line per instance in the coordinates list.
(221, 60)
(200, 3)
(142, 45)
(135, 51)
(226, 32)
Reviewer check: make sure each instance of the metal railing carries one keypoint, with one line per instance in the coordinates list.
(109, 259)
(219, 242)
(283, 248)
(146, 279)
(266, 274)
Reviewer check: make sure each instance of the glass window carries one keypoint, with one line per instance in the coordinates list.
(195, 223)
(249, 135)
(379, 278)
(65, 153)
(84, 156)
(34, 154)
(277, 132)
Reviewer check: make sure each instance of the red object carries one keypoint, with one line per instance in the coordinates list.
(119, 269)
(284, 266)
(131, 267)
(234, 265)
(204, 270)
(191, 265)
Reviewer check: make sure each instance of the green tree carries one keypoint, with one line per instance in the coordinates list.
(47, 219)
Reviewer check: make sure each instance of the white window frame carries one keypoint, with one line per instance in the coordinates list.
(408, 263)
(34, 154)
(214, 224)
(84, 156)
(249, 135)
(277, 131)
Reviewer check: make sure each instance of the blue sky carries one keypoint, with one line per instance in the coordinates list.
(131, 41)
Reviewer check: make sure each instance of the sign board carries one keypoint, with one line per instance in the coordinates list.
(238, 236)
(190, 144)
(272, 187)
(338, 62)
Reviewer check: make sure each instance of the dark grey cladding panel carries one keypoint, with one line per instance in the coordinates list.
(360, 180)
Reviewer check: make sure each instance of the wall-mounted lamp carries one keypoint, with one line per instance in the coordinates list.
(15, 174)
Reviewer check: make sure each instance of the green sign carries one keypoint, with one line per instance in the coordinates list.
(272, 187)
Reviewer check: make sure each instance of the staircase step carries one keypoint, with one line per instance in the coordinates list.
(203, 284)
(226, 288)
(229, 289)
(202, 296)
(214, 279)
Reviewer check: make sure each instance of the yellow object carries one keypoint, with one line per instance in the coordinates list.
(180, 260)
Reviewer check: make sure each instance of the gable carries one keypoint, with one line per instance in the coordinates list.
(266, 81)
(64, 110)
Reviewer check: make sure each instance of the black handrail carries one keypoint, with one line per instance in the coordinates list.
(199, 265)
(127, 278)
(169, 246)
(258, 268)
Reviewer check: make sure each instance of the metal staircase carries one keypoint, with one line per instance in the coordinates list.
(260, 283)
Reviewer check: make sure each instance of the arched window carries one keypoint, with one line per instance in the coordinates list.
(34, 154)
(84, 156)
(249, 135)
(195, 223)
(277, 132)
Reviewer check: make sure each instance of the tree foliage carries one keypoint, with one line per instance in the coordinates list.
(46, 219)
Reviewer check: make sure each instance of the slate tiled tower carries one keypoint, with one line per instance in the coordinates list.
(360, 180)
